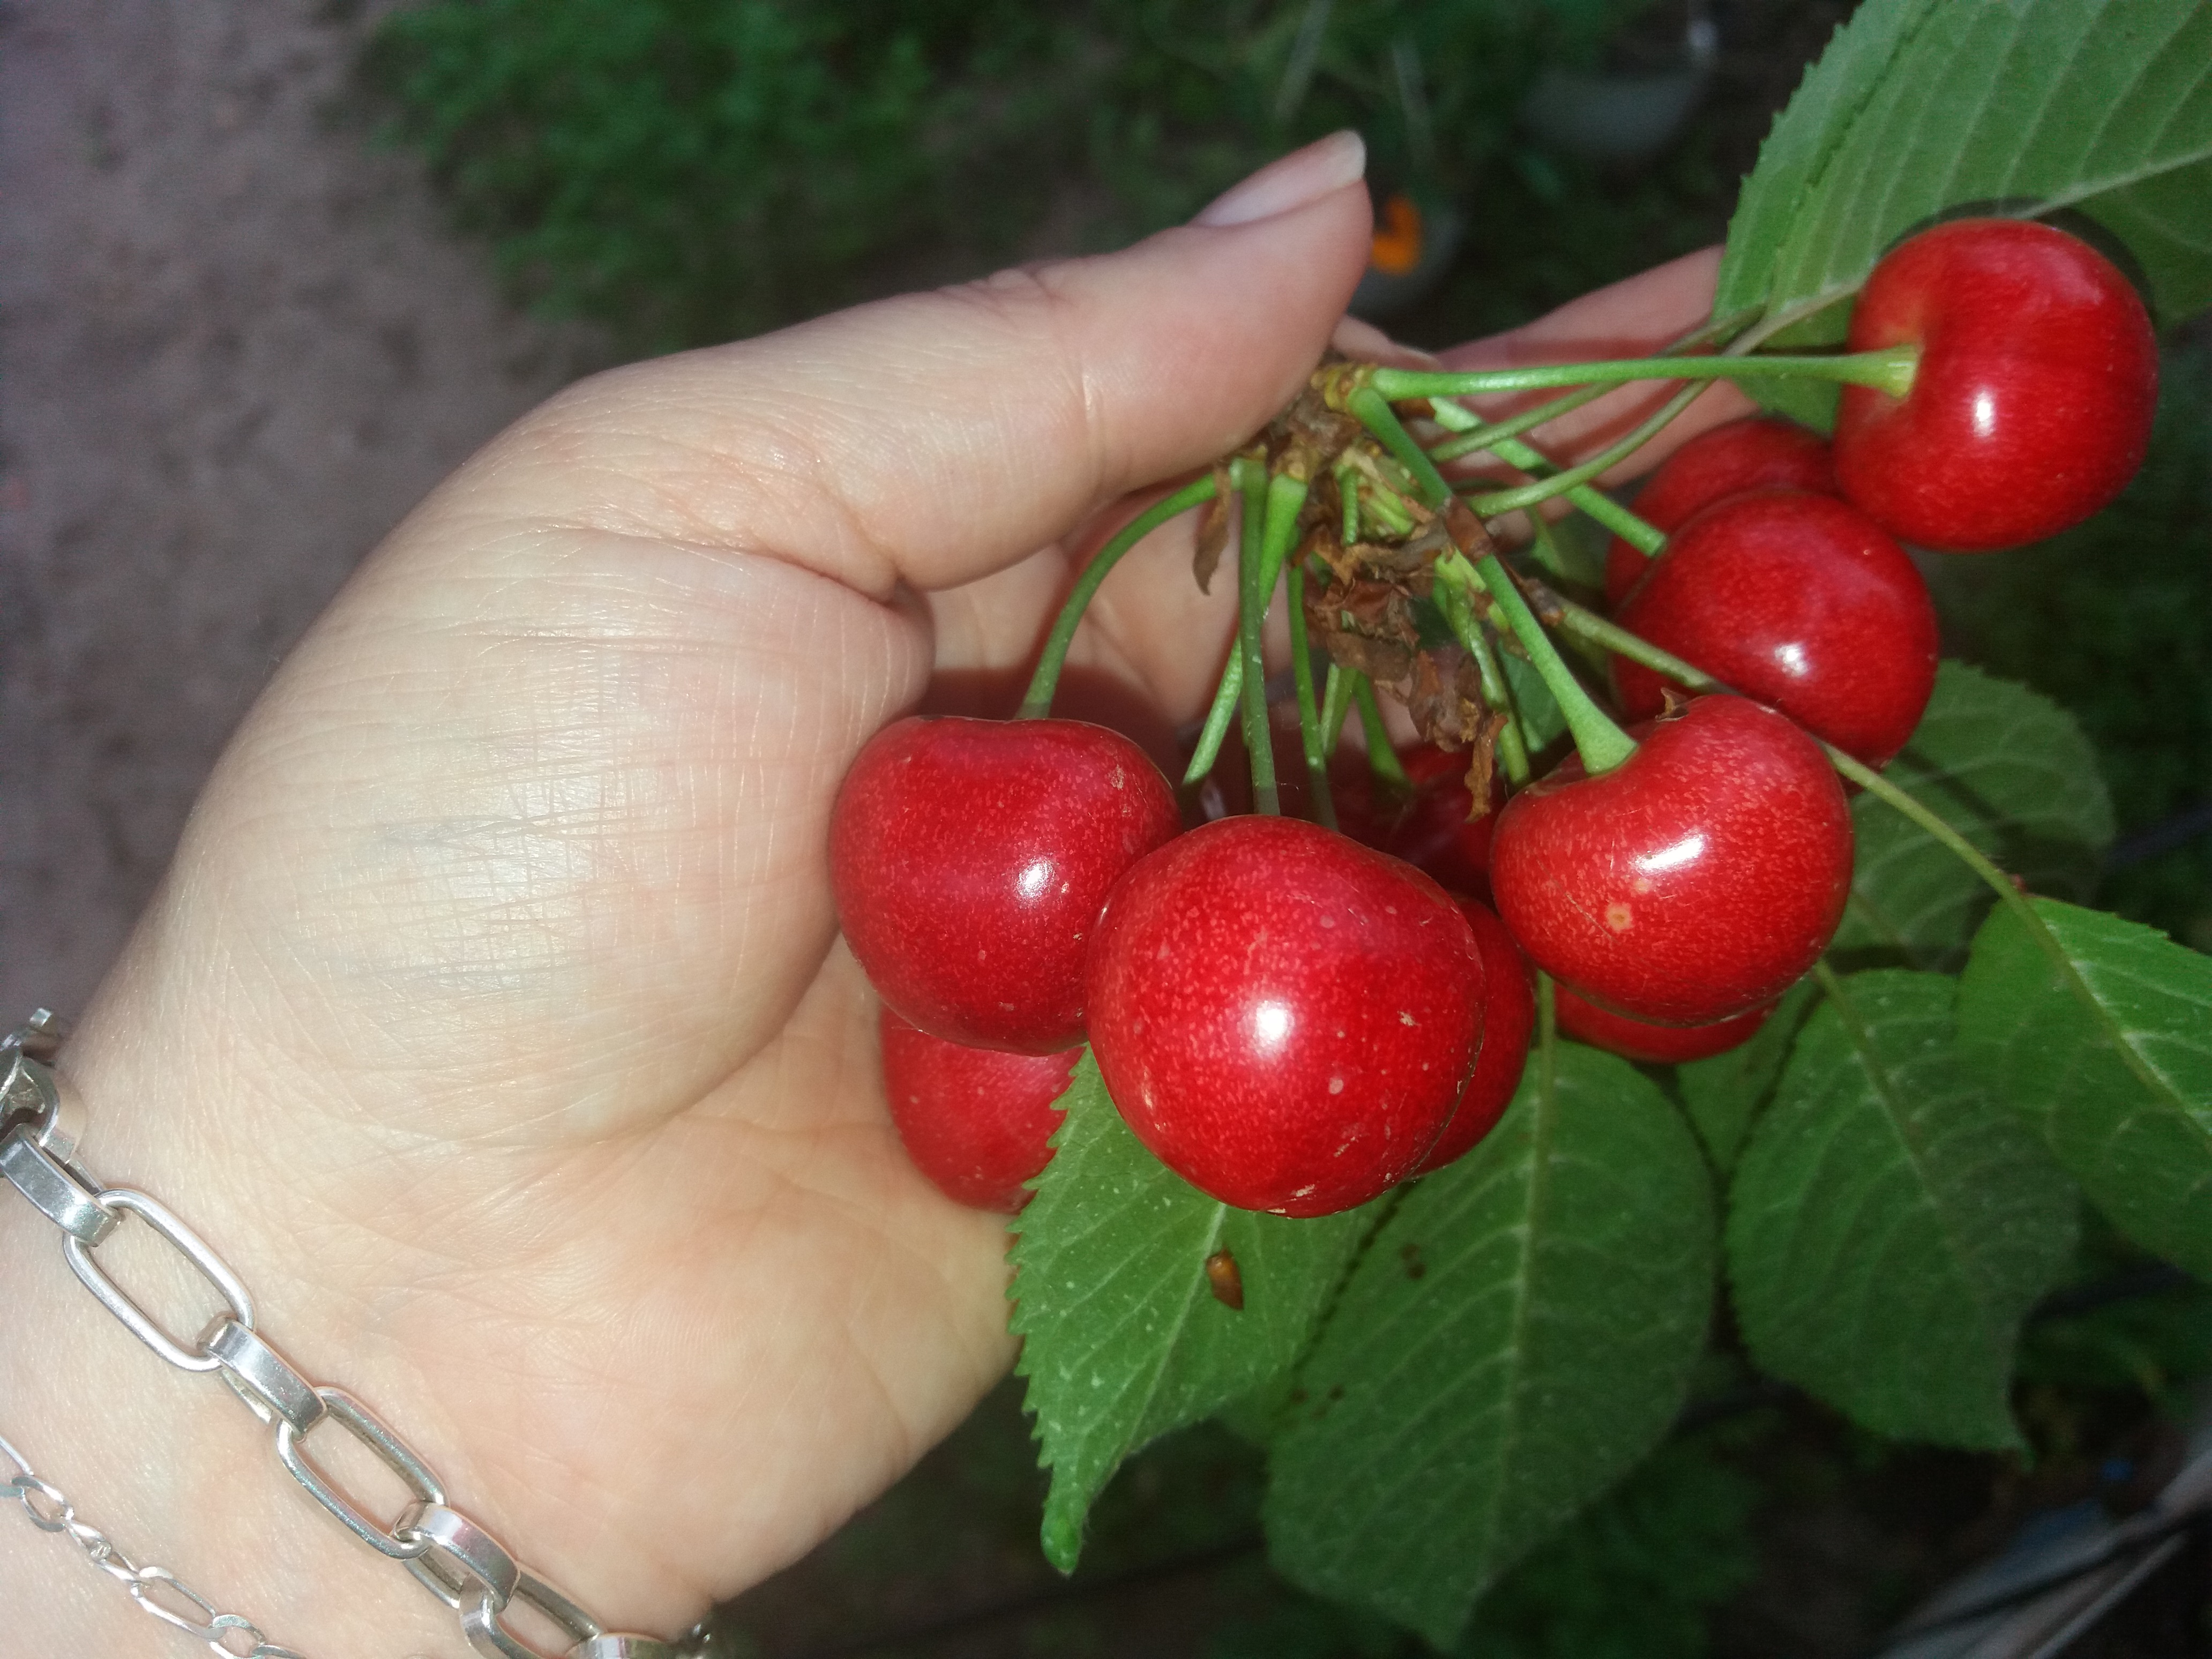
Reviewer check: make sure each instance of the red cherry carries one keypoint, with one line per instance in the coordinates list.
(2032, 403)
(1285, 1018)
(1695, 880)
(1656, 1045)
(1759, 452)
(1432, 830)
(1509, 1020)
(1799, 601)
(975, 1121)
(970, 860)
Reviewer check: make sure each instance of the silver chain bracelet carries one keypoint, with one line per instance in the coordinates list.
(457, 1560)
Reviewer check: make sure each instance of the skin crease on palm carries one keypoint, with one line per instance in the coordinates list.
(491, 1021)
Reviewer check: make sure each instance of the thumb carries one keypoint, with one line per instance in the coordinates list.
(937, 437)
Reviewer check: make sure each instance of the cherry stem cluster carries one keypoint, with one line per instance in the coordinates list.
(1602, 743)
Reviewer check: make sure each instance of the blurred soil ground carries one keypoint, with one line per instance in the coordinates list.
(235, 347)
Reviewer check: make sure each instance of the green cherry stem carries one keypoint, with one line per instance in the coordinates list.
(1547, 1033)
(1037, 702)
(1500, 441)
(1602, 743)
(1252, 595)
(1211, 736)
(1574, 482)
(1228, 690)
(1967, 853)
(1645, 538)
(2008, 891)
(1335, 704)
(1587, 625)
(1825, 977)
(1382, 754)
(1472, 436)
(1271, 505)
(1889, 370)
(1310, 739)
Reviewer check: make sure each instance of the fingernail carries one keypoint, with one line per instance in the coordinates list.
(1302, 176)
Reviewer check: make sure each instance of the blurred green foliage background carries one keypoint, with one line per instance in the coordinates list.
(688, 170)
(683, 171)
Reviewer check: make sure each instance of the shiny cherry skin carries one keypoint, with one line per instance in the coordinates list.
(975, 1121)
(1759, 452)
(1285, 1018)
(1509, 1022)
(2032, 403)
(1695, 881)
(1656, 1045)
(1799, 601)
(1434, 829)
(970, 859)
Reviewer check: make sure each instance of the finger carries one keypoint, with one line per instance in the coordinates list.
(937, 437)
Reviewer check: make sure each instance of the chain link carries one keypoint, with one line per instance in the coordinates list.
(49, 1511)
(456, 1559)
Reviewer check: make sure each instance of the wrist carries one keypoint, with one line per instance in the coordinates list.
(167, 1468)
(170, 1468)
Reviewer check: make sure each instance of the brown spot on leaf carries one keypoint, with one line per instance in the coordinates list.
(1225, 1279)
(1410, 1255)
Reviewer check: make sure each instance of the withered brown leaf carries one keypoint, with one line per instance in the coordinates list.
(1445, 698)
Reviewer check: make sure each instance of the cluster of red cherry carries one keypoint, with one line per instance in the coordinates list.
(1294, 1018)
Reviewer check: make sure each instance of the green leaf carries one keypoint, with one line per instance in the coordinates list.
(2012, 773)
(1890, 1223)
(2102, 1034)
(1122, 1337)
(1517, 1335)
(1922, 107)
(1724, 1095)
(1637, 1575)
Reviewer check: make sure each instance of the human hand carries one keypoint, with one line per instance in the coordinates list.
(491, 1022)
